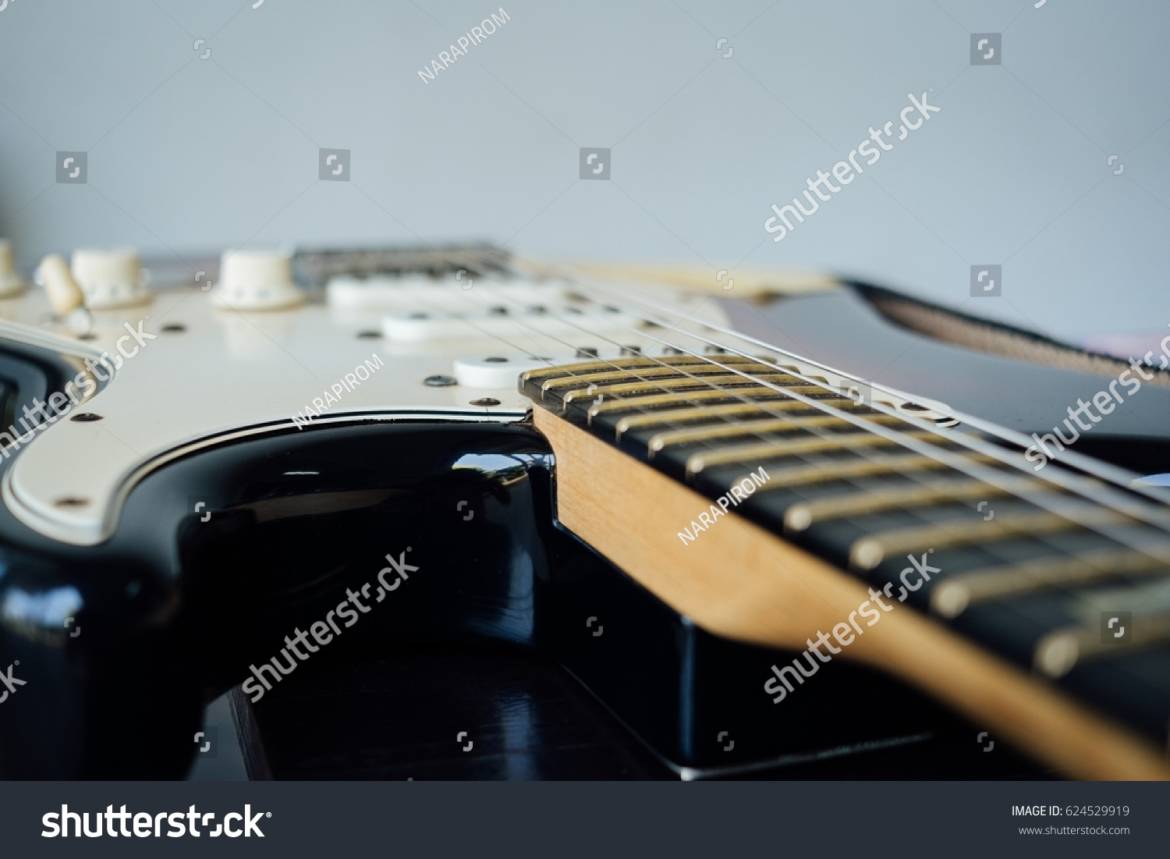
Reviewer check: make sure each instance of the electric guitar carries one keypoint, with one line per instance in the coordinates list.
(795, 504)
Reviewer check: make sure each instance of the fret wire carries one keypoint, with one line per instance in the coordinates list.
(1062, 649)
(804, 514)
(993, 549)
(956, 593)
(594, 378)
(696, 414)
(750, 426)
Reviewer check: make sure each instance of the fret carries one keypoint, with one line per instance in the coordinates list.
(729, 430)
(593, 392)
(635, 404)
(1061, 651)
(848, 469)
(702, 369)
(869, 551)
(803, 515)
(796, 447)
(630, 364)
(954, 595)
(700, 413)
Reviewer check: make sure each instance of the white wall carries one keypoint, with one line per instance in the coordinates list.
(188, 153)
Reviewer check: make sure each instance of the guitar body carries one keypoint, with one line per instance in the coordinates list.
(157, 556)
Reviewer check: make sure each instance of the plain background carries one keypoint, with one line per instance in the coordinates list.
(189, 153)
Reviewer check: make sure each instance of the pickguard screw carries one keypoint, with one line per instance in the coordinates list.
(439, 381)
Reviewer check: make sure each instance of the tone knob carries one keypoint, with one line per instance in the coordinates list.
(256, 280)
(10, 281)
(110, 278)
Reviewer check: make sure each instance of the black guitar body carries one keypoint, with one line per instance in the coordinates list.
(218, 556)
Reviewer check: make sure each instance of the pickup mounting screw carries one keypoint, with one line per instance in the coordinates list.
(439, 381)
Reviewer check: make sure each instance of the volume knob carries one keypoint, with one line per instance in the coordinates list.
(10, 282)
(110, 278)
(256, 280)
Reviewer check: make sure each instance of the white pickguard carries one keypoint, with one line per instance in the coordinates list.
(228, 374)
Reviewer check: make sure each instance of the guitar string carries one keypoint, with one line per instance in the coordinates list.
(1064, 513)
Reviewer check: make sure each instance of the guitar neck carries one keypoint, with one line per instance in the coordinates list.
(777, 508)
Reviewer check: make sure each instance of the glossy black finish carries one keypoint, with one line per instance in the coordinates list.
(172, 609)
